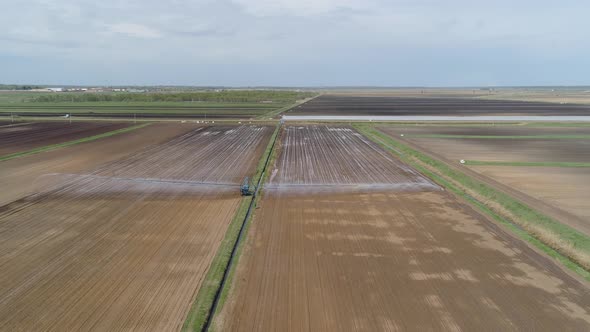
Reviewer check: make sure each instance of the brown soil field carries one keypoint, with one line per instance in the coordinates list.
(488, 130)
(25, 175)
(339, 157)
(356, 104)
(489, 149)
(126, 246)
(33, 135)
(555, 191)
(566, 189)
(523, 150)
(393, 261)
(385, 259)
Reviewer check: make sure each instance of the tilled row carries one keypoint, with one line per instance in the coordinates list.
(339, 157)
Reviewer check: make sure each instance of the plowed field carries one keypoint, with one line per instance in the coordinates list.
(356, 104)
(339, 157)
(33, 135)
(387, 260)
(125, 247)
(26, 175)
(559, 192)
(398, 261)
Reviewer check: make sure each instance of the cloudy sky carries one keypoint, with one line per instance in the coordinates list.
(296, 42)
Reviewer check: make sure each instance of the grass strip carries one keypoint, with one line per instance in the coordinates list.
(500, 136)
(278, 111)
(526, 163)
(200, 310)
(69, 143)
(559, 241)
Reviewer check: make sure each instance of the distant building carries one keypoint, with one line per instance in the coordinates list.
(55, 89)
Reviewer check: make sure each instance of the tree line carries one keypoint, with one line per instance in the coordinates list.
(19, 87)
(229, 96)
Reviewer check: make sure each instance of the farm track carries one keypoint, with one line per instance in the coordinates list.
(386, 260)
(25, 137)
(358, 105)
(100, 254)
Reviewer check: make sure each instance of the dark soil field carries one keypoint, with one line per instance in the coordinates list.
(385, 260)
(374, 105)
(33, 135)
(126, 246)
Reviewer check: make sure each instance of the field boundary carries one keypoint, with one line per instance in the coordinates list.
(499, 136)
(278, 111)
(561, 242)
(69, 143)
(212, 292)
(527, 163)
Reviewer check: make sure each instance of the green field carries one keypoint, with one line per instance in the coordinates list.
(225, 103)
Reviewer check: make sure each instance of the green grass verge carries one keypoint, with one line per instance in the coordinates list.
(201, 307)
(577, 240)
(199, 311)
(500, 137)
(278, 111)
(69, 143)
(526, 163)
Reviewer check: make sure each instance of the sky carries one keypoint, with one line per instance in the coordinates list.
(295, 42)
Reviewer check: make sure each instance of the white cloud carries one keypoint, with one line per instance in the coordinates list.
(300, 7)
(337, 34)
(134, 30)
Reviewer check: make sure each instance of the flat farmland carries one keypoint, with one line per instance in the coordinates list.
(566, 189)
(509, 150)
(128, 110)
(126, 246)
(388, 105)
(26, 175)
(33, 135)
(386, 258)
(533, 164)
(327, 156)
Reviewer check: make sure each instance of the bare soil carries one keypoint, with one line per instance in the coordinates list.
(491, 149)
(358, 104)
(25, 175)
(394, 261)
(556, 191)
(126, 246)
(487, 130)
(314, 156)
(564, 188)
(33, 135)
(386, 259)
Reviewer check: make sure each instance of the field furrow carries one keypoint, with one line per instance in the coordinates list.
(118, 248)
